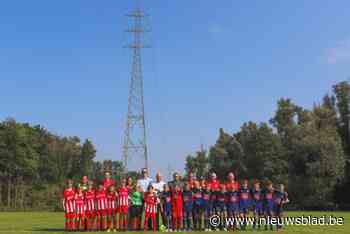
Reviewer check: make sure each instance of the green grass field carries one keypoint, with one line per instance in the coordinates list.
(50, 223)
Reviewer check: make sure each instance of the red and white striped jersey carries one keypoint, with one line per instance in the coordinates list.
(101, 200)
(108, 183)
(111, 200)
(90, 200)
(150, 203)
(68, 200)
(79, 202)
(123, 197)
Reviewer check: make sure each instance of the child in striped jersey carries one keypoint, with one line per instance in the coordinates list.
(123, 205)
(80, 209)
(111, 208)
(101, 202)
(150, 198)
(90, 206)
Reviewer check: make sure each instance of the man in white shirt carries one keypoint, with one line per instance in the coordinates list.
(158, 185)
(145, 181)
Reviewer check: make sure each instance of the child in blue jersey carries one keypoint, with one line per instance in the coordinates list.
(269, 202)
(280, 198)
(257, 202)
(232, 204)
(221, 205)
(166, 206)
(244, 202)
(187, 207)
(207, 206)
(197, 206)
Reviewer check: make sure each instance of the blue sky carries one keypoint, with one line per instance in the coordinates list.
(213, 64)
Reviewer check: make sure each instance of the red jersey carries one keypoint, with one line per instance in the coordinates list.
(79, 203)
(101, 200)
(68, 200)
(123, 197)
(214, 185)
(90, 200)
(232, 184)
(107, 183)
(150, 203)
(176, 204)
(111, 200)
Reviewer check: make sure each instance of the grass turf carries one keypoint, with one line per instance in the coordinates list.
(51, 223)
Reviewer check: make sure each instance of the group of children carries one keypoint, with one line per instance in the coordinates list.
(177, 207)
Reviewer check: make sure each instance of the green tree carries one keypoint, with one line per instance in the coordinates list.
(198, 164)
(88, 153)
(227, 155)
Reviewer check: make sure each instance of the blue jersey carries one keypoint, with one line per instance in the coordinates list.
(187, 200)
(279, 198)
(257, 198)
(166, 199)
(207, 203)
(221, 201)
(244, 198)
(232, 199)
(268, 200)
(257, 201)
(198, 198)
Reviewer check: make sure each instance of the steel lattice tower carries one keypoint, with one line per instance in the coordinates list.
(135, 144)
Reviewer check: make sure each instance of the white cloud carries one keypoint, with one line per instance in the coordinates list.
(339, 53)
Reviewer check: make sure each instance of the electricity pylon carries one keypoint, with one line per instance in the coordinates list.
(135, 144)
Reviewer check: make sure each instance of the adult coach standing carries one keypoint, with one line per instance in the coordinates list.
(158, 185)
(176, 181)
(145, 181)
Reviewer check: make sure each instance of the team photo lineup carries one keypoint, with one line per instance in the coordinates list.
(179, 205)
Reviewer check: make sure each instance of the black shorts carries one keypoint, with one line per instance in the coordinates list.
(135, 211)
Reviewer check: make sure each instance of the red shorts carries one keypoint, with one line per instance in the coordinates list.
(101, 212)
(177, 212)
(150, 214)
(69, 215)
(111, 211)
(89, 213)
(123, 209)
(79, 215)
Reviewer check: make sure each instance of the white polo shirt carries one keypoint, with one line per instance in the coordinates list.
(144, 183)
(159, 186)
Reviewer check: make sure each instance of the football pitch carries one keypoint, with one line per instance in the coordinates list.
(50, 223)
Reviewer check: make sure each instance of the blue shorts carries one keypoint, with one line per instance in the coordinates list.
(232, 209)
(269, 210)
(278, 210)
(207, 210)
(167, 210)
(220, 207)
(258, 209)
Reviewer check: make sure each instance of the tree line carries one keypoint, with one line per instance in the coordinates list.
(35, 165)
(306, 149)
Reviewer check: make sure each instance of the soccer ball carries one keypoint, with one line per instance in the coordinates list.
(162, 228)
